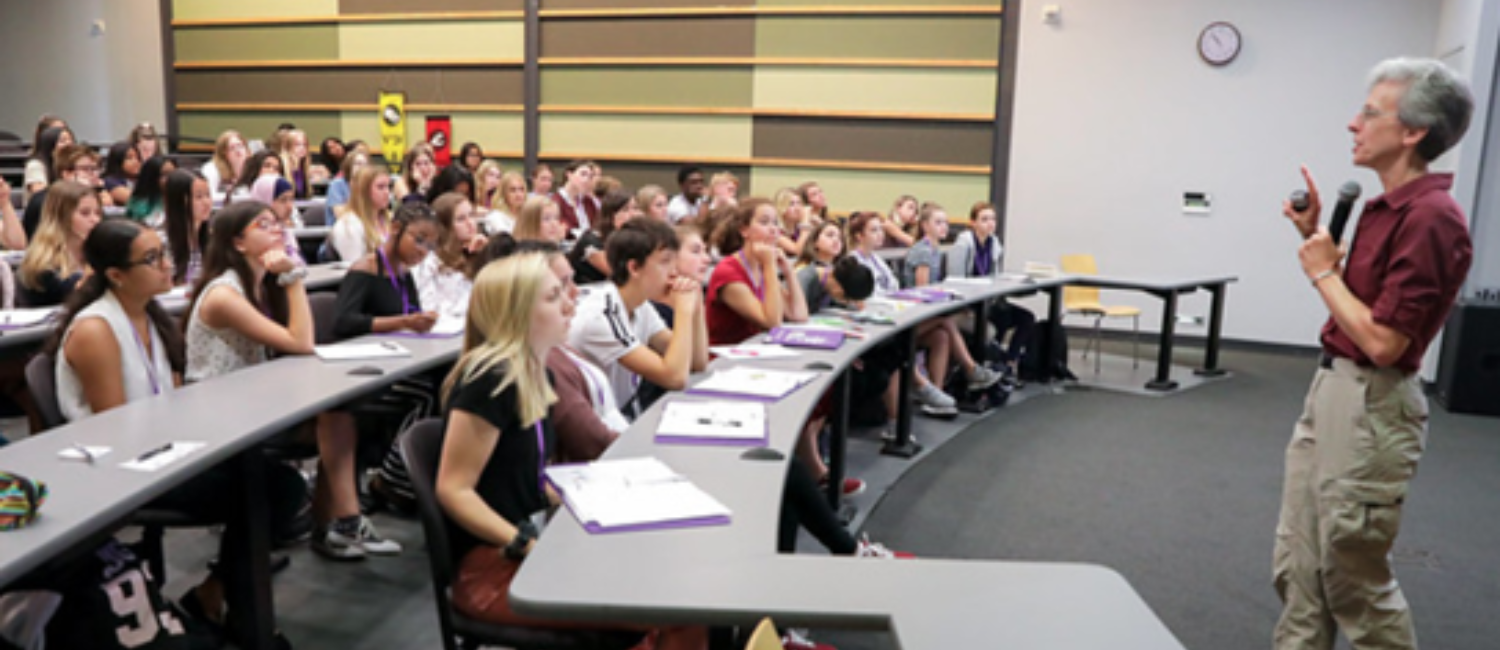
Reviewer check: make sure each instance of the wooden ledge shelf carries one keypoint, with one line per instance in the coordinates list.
(766, 112)
(348, 63)
(750, 61)
(230, 107)
(732, 12)
(430, 16)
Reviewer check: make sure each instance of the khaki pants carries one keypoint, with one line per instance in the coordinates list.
(1352, 453)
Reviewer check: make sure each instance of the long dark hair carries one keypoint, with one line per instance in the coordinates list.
(178, 206)
(251, 171)
(221, 256)
(727, 236)
(114, 163)
(448, 180)
(148, 182)
(409, 214)
(108, 247)
(614, 201)
(44, 146)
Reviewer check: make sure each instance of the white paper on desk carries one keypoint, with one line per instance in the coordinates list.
(356, 351)
(752, 351)
(714, 420)
(163, 459)
(94, 452)
(26, 317)
(631, 492)
(978, 282)
(754, 382)
(447, 325)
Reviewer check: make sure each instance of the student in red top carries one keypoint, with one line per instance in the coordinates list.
(753, 289)
(578, 210)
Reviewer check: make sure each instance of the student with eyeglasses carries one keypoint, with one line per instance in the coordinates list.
(378, 294)
(115, 344)
(72, 163)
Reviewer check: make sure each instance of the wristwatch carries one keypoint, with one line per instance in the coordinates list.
(292, 277)
(516, 549)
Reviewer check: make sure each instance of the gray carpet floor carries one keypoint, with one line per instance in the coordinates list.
(1181, 494)
(1177, 493)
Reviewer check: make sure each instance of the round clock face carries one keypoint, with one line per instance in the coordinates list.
(1219, 43)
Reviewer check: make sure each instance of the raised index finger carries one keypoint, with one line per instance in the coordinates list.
(1312, 186)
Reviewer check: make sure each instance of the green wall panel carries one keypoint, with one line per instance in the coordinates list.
(422, 41)
(255, 126)
(673, 135)
(876, 190)
(228, 9)
(886, 37)
(663, 86)
(275, 43)
(891, 89)
(824, 3)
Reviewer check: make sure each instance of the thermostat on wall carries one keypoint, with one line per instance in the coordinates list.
(1196, 203)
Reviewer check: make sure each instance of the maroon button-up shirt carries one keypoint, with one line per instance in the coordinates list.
(1410, 255)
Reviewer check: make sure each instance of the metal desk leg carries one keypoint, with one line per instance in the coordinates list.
(980, 336)
(1215, 326)
(903, 445)
(1163, 379)
(838, 439)
(1050, 340)
(249, 592)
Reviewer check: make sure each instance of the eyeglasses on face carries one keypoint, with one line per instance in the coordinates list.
(268, 223)
(153, 257)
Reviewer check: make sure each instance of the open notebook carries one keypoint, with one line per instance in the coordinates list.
(752, 382)
(714, 422)
(630, 494)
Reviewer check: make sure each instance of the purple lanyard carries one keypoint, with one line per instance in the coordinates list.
(541, 458)
(982, 258)
(757, 280)
(150, 365)
(879, 268)
(390, 273)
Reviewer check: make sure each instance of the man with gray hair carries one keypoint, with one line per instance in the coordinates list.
(1364, 424)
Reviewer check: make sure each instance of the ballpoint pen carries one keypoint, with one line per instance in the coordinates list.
(154, 453)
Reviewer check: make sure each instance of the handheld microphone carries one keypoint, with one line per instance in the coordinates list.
(1347, 194)
(1299, 200)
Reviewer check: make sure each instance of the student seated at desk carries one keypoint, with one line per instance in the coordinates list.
(505, 202)
(39, 167)
(73, 163)
(901, 224)
(378, 293)
(54, 260)
(338, 188)
(977, 253)
(619, 330)
(121, 166)
(362, 224)
(250, 299)
(797, 224)
(276, 192)
(418, 169)
(747, 294)
(587, 255)
(224, 169)
(145, 201)
(451, 179)
(297, 165)
(12, 231)
(443, 279)
(924, 267)
(823, 247)
(261, 163)
(114, 345)
(497, 437)
(540, 220)
(188, 205)
(866, 233)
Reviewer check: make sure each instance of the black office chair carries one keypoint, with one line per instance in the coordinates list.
(41, 380)
(315, 215)
(423, 446)
(325, 310)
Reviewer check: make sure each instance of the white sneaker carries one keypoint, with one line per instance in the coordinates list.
(796, 639)
(370, 539)
(981, 377)
(345, 540)
(929, 395)
(867, 548)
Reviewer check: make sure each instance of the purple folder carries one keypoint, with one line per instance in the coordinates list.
(923, 294)
(805, 337)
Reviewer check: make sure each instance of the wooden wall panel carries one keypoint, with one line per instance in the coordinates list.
(657, 37)
(893, 141)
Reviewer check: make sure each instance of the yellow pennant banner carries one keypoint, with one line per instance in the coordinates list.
(393, 128)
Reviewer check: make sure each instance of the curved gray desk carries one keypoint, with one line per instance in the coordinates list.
(89, 499)
(732, 574)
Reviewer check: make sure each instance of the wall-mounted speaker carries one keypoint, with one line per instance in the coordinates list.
(1468, 378)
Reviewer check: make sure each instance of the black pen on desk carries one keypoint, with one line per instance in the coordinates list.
(154, 453)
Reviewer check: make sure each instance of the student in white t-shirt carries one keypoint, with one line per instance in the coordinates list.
(618, 329)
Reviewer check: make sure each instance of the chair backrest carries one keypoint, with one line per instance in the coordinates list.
(325, 311)
(764, 637)
(315, 215)
(422, 445)
(1081, 264)
(41, 381)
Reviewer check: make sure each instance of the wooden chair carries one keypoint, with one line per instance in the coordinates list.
(1085, 301)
